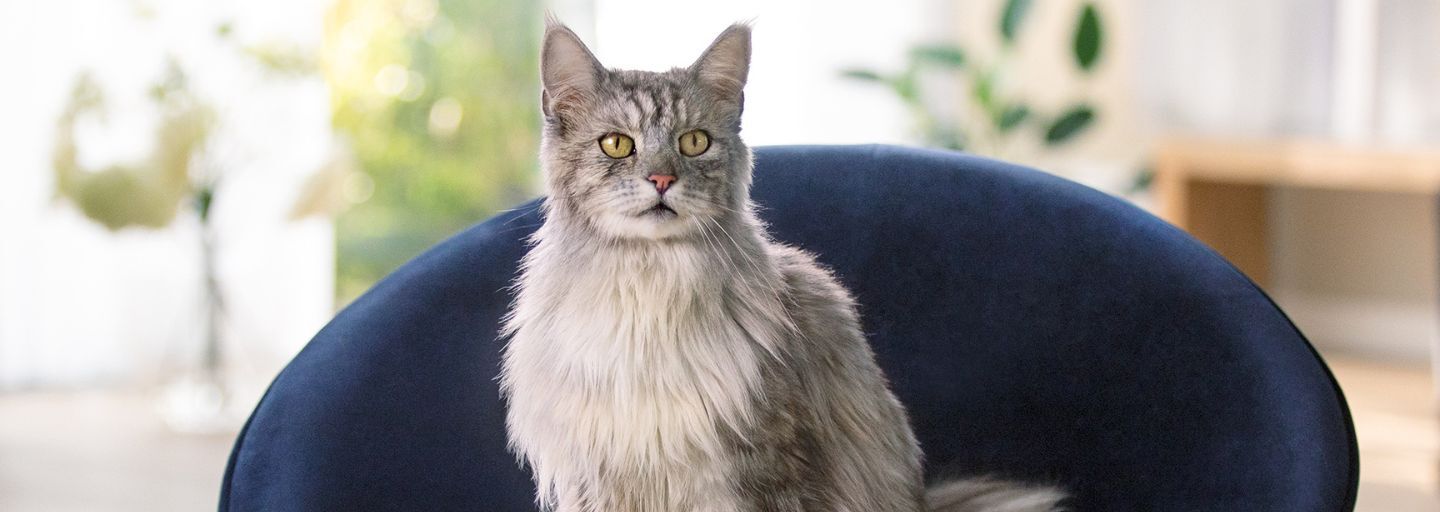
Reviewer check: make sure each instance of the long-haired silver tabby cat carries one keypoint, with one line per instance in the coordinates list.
(664, 353)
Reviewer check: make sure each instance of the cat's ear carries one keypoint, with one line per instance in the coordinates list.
(569, 73)
(726, 63)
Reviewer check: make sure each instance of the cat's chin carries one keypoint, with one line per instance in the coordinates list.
(652, 224)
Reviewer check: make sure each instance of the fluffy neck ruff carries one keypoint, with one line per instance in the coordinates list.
(638, 355)
(659, 289)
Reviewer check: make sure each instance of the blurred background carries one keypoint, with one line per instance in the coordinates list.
(190, 189)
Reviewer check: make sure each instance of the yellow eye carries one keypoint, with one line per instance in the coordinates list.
(617, 145)
(694, 142)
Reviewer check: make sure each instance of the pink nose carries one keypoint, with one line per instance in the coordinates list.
(661, 181)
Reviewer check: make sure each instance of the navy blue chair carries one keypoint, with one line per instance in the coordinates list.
(1036, 329)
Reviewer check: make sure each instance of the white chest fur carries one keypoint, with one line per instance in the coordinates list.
(630, 363)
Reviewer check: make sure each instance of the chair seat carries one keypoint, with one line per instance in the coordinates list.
(1035, 329)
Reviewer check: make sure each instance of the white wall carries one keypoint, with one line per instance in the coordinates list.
(80, 305)
(795, 94)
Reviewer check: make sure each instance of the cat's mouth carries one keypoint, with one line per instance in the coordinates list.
(660, 209)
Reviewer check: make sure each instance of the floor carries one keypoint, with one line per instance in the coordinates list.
(81, 452)
(1399, 435)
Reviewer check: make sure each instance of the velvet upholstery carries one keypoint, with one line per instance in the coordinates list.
(1035, 329)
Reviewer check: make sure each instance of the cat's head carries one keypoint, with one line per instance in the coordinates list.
(644, 155)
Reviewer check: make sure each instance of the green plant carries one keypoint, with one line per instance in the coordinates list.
(178, 177)
(147, 193)
(1003, 114)
(439, 101)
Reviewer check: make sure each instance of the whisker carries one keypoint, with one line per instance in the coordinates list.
(745, 255)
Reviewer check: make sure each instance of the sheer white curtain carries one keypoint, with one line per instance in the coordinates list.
(1236, 67)
(1360, 70)
(1408, 72)
(80, 305)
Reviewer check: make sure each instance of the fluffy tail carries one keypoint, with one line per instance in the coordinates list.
(990, 495)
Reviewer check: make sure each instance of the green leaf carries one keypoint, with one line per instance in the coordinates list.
(1088, 38)
(942, 54)
(906, 87)
(1011, 117)
(983, 90)
(1144, 178)
(862, 74)
(1070, 124)
(1011, 17)
(284, 59)
(945, 137)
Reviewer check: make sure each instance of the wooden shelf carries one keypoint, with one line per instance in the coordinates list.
(1218, 189)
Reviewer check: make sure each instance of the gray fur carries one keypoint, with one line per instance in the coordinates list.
(685, 361)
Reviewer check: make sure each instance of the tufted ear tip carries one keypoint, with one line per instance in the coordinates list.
(725, 65)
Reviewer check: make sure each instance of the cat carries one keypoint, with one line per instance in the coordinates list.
(662, 352)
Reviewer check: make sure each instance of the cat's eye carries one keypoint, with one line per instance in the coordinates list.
(617, 145)
(694, 142)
